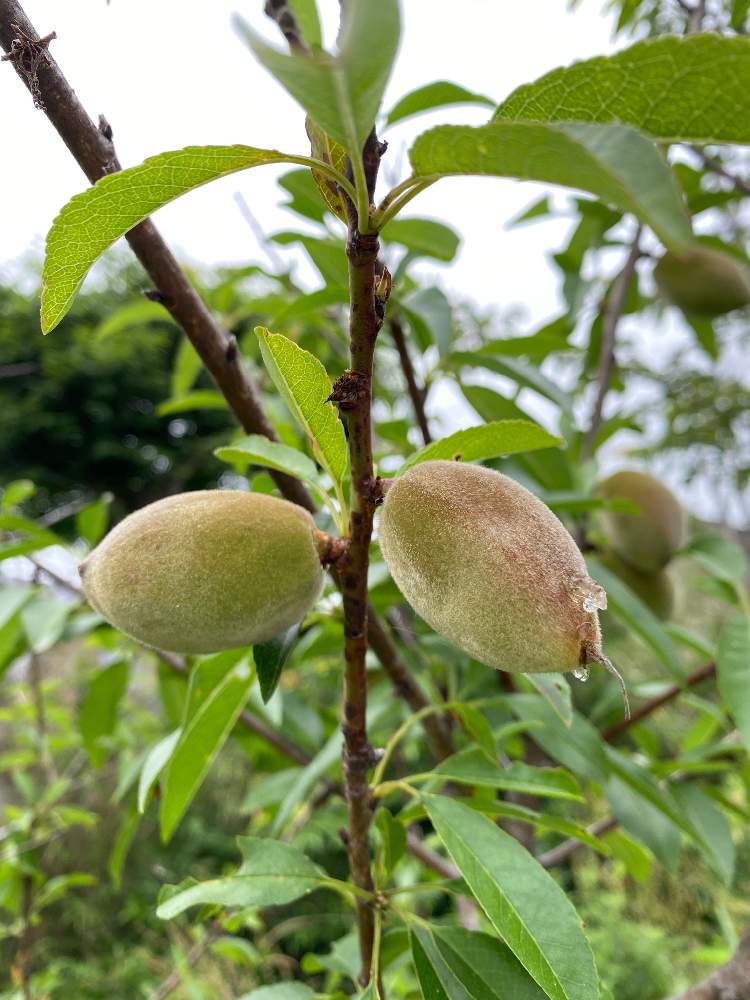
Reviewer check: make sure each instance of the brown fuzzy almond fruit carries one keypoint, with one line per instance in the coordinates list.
(704, 281)
(646, 540)
(206, 571)
(491, 568)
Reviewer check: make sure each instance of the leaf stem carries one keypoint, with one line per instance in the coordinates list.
(390, 207)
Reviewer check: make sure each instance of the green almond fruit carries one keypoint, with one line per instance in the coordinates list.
(646, 540)
(655, 590)
(489, 566)
(704, 281)
(206, 571)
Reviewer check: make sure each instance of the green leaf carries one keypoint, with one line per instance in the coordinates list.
(187, 366)
(423, 236)
(306, 197)
(740, 9)
(639, 618)
(271, 874)
(280, 991)
(12, 599)
(716, 836)
(94, 219)
(123, 839)
(44, 620)
(469, 966)
(393, 836)
(328, 255)
(157, 759)
(491, 405)
(578, 747)
(439, 94)
(13, 494)
(647, 823)
(306, 15)
(307, 778)
(615, 163)
(430, 316)
(474, 767)
(733, 667)
(138, 313)
(693, 89)
(303, 382)
(255, 449)
(509, 885)
(722, 558)
(341, 93)
(556, 690)
(98, 714)
(92, 521)
(519, 371)
(270, 658)
(199, 399)
(503, 437)
(477, 725)
(201, 739)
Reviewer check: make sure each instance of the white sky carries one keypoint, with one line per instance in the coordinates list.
(168, 74)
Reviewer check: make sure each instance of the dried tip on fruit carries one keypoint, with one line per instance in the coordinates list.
(490, 568)
(612, 669)
(646, 540)
(206, 571)
(704, 281)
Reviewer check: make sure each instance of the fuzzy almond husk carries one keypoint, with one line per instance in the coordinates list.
(490, 567)
(704, 281)
(206, 571)
(646, 540)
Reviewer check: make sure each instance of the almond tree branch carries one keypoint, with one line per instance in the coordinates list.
(353, 394)
(613, 310)
(416, 394)
(94, 152)
(717, 167)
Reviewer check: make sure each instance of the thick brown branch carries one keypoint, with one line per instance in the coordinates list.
(730, 982)
(94, 152)
(416, 394)
(613, 310)
(365, 320)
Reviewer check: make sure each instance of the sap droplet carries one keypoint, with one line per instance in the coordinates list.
(581, 673)
(594, 596)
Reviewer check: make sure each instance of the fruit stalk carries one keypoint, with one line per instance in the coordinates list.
(353, 393)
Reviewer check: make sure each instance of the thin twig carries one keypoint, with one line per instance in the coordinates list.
(94, 152)
(612, 313)
(557, 855)
(416, 394)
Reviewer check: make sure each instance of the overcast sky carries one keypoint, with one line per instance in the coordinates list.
(168, 74)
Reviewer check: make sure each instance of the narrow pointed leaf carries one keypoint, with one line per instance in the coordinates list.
(303, 382)
(503, 437)
(474, 767)
(440, 94)
(270, 658)
(509, 885)
(424, 237)
(255, 449)
(201, 739)
(341, 93)
(94, 219)
(694, 89)
(733, 663)
(271, 874)
(617, 164)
